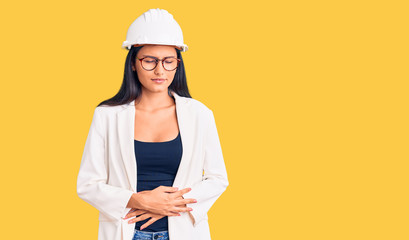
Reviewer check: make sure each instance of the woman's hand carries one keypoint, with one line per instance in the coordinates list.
(162, 200)
(141, 215)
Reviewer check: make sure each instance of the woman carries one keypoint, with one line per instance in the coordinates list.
(145, 182)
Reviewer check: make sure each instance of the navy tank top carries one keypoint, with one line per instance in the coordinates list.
(157, 164)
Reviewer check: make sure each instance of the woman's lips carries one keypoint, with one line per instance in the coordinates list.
(158, 80)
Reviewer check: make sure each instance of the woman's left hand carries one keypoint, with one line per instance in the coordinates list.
(142, 215)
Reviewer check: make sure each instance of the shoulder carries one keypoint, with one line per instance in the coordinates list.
(106, 111)
(197, 106)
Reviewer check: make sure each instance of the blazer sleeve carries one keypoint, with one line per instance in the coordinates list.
(214, 181)
(92, 184)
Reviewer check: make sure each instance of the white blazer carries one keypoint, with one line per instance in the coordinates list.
(107, 176)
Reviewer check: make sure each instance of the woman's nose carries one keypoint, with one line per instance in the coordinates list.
(159, 68)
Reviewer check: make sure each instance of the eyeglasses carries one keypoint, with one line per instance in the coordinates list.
(168, 63)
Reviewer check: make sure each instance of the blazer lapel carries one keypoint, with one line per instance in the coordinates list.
(126, 121)
(187, 133)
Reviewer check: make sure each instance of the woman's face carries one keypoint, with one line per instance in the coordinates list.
(146, 77)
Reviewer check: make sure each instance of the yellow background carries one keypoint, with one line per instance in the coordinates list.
(310, 100)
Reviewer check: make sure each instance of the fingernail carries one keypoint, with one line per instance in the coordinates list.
(195, 201)
(190, 209)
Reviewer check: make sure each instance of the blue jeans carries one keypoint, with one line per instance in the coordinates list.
(141, 235)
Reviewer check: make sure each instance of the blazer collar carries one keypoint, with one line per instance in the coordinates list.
(126, 125)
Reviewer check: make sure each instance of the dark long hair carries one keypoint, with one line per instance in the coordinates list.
(131, 86)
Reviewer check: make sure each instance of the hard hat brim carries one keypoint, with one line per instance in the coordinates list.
(182, 48)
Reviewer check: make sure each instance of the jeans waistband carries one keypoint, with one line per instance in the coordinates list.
(163, 235)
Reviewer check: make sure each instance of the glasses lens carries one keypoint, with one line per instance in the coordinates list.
(170, 63)
(149, 63)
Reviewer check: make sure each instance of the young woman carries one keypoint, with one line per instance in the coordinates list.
(152, 163)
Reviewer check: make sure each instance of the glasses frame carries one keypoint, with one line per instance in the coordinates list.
(157, 60)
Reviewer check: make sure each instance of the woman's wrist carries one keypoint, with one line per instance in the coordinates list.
(135, 201)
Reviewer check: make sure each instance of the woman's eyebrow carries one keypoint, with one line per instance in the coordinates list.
(155, 57)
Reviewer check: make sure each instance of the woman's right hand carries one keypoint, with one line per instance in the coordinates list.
(162, 200)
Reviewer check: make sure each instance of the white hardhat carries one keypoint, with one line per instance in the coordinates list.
(155, 26)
